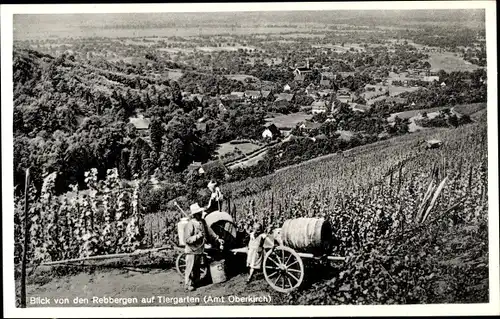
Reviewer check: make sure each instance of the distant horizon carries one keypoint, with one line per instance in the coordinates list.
(29, 26)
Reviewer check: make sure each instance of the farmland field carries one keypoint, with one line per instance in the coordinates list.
(469, 109)
(254, 159)
(77, 32)
(412, 113)
(289, 120)
(246, 148)
(224, 48)
(372, 96)
(373, 100)
(396, 90)
(241, 77)
(449, 62)
(175, 74)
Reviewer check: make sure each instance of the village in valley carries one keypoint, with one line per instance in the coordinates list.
(306, 113)
(297, 82)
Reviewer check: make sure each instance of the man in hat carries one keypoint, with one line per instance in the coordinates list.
(195, 244)
(215, 203)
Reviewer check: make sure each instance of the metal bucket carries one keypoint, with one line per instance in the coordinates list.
(218, 271)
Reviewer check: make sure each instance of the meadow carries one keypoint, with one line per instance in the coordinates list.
(448, 62)
(226, 148)
(289, 120)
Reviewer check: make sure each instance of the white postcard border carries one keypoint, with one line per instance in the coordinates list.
(224, 311)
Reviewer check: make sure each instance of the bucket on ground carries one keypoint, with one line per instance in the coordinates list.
(181, 226)
(218, 271)
(307, 234)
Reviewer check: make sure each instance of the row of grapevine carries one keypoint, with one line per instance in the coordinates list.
(372, 197)
(104, 219)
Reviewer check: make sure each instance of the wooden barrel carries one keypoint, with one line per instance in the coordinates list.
(307, 234)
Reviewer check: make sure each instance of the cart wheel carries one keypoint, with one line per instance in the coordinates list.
(180, 265)
(283, 269)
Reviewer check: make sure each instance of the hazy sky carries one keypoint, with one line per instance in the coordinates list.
(57, 24)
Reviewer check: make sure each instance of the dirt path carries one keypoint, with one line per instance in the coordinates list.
(154, 288)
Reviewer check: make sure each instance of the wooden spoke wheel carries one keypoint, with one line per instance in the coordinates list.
(283, 269)
(180, 265)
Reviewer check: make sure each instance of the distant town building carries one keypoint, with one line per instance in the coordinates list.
(430, 78)
(194, 166)
(325, 92)
(326, 78)
(325, 82)
(267, 85)
(237, 95)
(311, 90)
(289, 97)
(202, 127)
(346, 74)
(200, 97)
(308, 125)
(320, 137)
(344, 95)
(253, 95)
(327, 75)
(270, 131)
(319, 107)
(301, 73)
(221, 106)
(265, 94)
(359, 107)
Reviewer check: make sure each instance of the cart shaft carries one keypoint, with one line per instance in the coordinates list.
(333, 258)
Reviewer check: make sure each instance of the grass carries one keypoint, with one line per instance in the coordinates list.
(372, 101)
(241, 77)
(449, 62)
(289, 120)
(174, 74)
(227, 148)
(396, 90)
(413, 113)
(346, 135)
(339, 48)
(224, 48)
(371, 94)
(469, 109)
(175, 50)
(250, 162)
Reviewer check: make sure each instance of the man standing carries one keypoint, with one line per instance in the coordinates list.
(195, 244)
(215, 203)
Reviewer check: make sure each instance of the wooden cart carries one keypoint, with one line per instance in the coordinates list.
(283, 267)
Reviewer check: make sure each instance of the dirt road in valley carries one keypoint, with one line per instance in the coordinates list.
(164, 285)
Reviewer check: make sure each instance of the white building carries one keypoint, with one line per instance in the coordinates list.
(267, 133)
(430, 78)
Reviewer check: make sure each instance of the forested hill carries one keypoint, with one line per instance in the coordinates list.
(72, 115)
